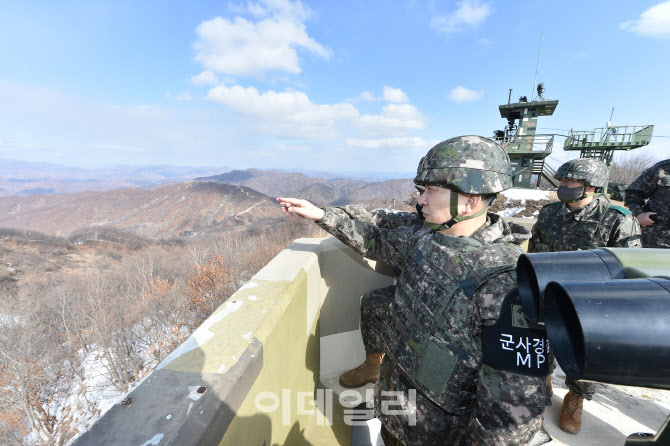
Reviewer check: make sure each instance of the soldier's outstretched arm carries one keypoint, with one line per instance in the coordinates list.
(390, 247)
(383, 218)
(301, 208)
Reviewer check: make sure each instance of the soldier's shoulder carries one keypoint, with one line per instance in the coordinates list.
(620, 209)
(663, 165)
(550, 208)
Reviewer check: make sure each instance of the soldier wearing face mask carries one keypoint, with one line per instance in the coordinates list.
(582, 221)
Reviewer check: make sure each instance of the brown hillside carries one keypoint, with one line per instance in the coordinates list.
(186, 208)
(399, 190)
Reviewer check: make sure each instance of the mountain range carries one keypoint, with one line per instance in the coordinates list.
(222, 202)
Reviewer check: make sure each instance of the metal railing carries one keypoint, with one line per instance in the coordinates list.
(611, 137)
(531, 143)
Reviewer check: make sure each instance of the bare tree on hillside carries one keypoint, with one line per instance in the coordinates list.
(626, 169)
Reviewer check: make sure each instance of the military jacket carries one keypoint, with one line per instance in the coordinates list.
(449, 288)
(654, 186)
(383, 218)
(420, 336)
(595, 225)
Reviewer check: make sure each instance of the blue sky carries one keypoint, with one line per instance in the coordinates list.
(347, 86)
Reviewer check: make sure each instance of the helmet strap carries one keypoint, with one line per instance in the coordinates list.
(455, 218)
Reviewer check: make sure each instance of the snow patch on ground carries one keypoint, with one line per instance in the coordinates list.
(91, 397)
(509, 212)
(526, 194)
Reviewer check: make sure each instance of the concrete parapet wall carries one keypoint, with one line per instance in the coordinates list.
(250, 374)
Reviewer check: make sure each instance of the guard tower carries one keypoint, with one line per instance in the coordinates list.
(527, 150)
(601, 143)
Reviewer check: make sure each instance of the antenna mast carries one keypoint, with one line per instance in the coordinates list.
(536, 67)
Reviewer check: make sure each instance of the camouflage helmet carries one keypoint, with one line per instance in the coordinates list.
(469, 164)
(590, 171)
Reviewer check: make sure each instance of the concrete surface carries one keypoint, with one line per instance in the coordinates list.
(614, 413)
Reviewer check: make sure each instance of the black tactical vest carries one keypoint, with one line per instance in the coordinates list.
(430, 332)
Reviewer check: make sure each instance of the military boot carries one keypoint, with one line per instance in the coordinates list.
(571, 412)
(550, 389)
(366, 373)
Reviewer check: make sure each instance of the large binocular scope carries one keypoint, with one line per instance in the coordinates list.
(606, 312)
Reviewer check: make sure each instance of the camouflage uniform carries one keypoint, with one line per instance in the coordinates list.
(501, 407)
(376, 305)
(450, 292)
(592, 226)
(654, 186)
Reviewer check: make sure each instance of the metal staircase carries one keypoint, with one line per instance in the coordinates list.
(543, 170)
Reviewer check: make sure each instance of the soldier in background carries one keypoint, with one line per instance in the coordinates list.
(450, 342)
(579, 222)
(376, 305)
(654, 215)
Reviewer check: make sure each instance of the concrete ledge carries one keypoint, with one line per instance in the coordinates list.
(261, 347)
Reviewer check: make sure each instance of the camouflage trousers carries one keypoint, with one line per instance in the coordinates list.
(434, 425)
(583, 388)
(375, 309)
(656, 236)
(414, 421)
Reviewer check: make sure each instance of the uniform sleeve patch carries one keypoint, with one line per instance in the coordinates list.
(512, 345)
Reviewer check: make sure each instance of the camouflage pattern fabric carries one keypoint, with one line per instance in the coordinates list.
(503, 407)
(376, 305)
(375, 309)
(469, 164)
(589, 171)
(593, 226)
(584, 388)
(654, 187)
(383, 218)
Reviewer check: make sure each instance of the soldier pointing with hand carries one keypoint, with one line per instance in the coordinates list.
(478, 374)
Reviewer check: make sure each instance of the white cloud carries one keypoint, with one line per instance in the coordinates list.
(207, 77)
(654, 22)
(395, 95)
(461, 94)
(394, 119)
(390, 94)
(366, 96)
(289, 114)
(469, 15)
(243, 47)
(54, 127)
(412, 143)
